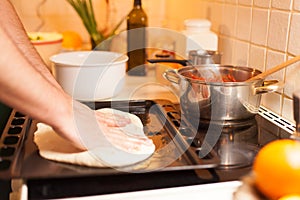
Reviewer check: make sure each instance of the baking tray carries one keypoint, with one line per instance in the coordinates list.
(19, 157)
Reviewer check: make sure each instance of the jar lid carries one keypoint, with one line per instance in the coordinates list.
(197, 23)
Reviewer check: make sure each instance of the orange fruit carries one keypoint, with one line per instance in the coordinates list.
(277, 168)
(71, 40)
(290, 197)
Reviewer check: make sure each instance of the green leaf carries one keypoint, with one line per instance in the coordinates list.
(85, 10)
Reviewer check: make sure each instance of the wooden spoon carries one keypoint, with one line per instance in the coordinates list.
(274, 69)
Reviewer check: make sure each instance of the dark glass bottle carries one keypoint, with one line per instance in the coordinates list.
(137, 22)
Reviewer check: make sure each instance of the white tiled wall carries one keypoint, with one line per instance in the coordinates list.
(255, 33)
(259, 28)
(297, 5)
(262, 3)
(262, 34)
(282, 4)
(244, 19)
(278, 30)
(294, 42)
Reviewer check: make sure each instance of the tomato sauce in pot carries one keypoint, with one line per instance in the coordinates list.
(224, 77)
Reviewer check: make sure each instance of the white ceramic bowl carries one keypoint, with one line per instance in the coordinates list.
(47, 44)
(90, 75)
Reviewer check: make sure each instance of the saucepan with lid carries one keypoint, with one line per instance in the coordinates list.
(220, 92)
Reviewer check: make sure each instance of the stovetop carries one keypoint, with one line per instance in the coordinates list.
(235, 149)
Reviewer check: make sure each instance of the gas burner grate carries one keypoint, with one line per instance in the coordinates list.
(277, 120)
(11, 140)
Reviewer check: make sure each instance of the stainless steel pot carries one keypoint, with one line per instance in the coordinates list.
(204, 95)
(202, 57)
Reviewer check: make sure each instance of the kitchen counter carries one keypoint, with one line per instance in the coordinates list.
(147, 87)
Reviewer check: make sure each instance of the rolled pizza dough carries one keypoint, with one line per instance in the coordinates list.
(53, 147)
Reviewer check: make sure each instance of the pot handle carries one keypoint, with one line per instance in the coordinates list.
(171, 75)
(182, 62)
(268, 87)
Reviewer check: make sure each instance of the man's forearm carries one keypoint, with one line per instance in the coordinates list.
(14, 28)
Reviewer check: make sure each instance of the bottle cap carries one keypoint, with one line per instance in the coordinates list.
(197, 24)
